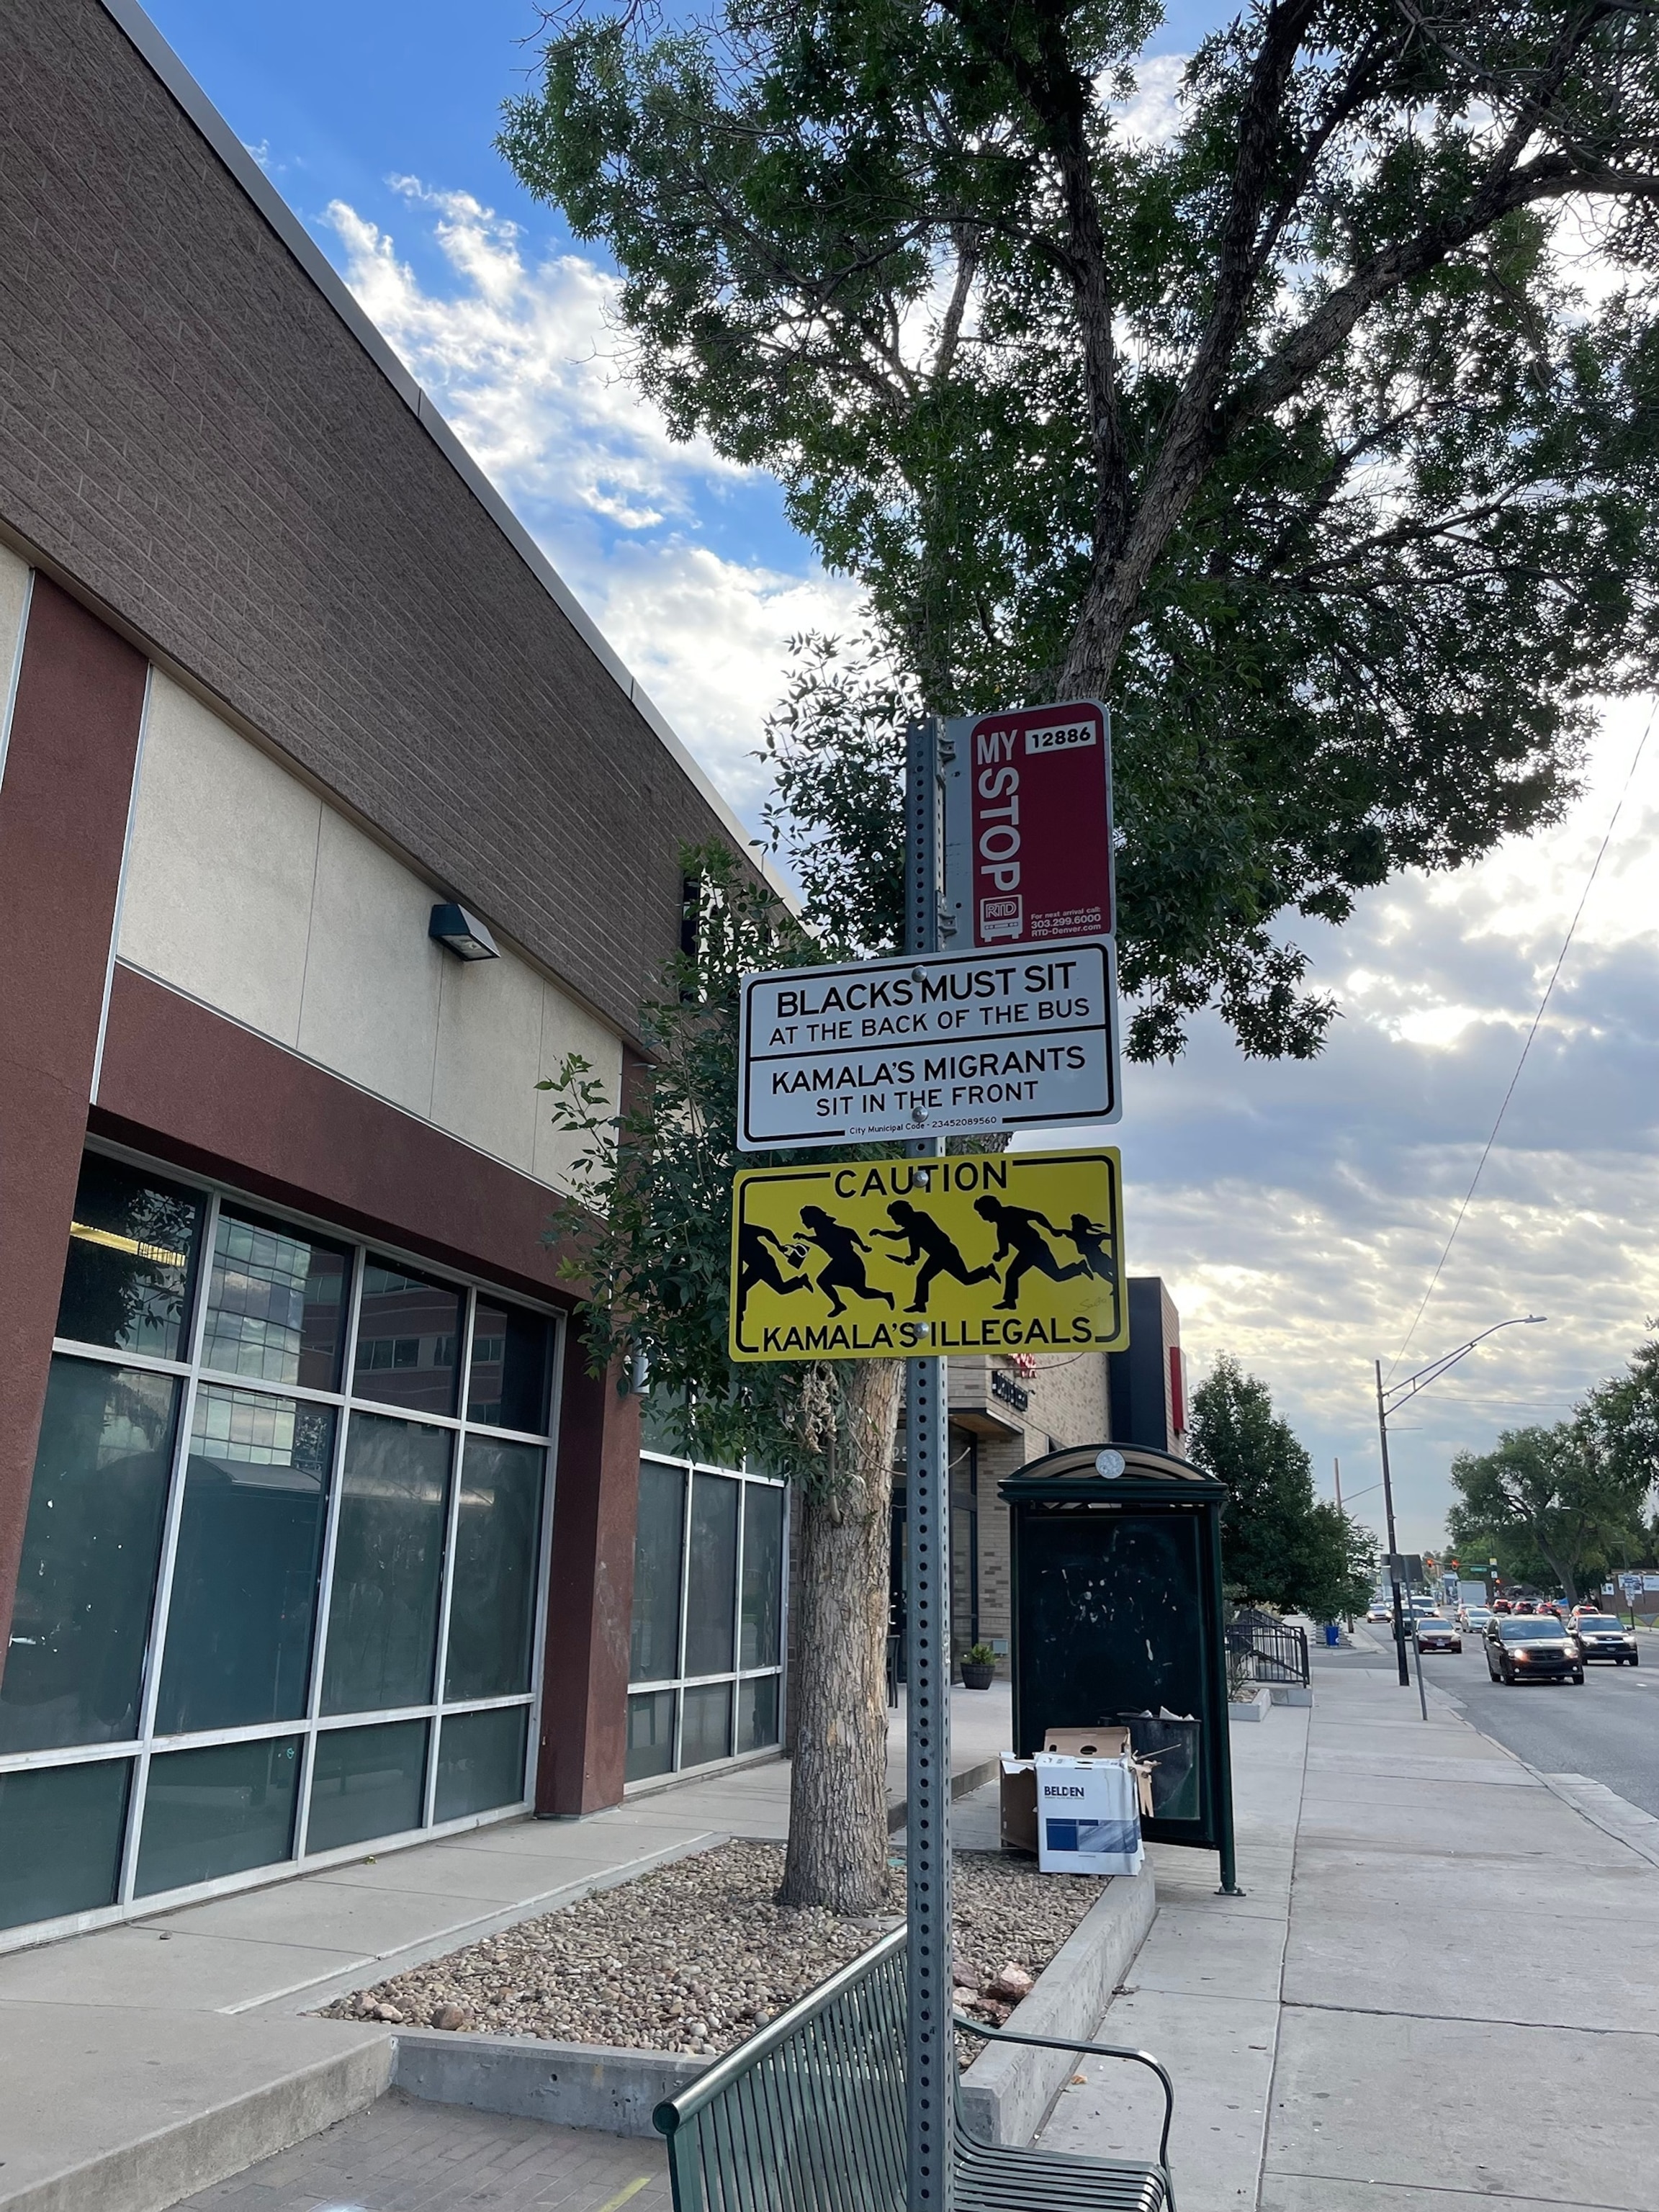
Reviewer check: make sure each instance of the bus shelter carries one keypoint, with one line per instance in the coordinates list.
(1115, 1559)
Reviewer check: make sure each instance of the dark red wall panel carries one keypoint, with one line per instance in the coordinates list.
(63, 799)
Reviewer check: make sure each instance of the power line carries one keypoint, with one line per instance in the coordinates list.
(1537, 1018)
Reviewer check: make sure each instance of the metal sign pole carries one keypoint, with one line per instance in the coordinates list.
(930, 2050)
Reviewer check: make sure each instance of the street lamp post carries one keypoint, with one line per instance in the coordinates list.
(1390, 1400)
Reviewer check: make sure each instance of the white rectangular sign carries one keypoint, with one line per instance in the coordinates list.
(949, 1044)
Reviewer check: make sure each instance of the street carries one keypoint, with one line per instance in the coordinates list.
(1608, 1729)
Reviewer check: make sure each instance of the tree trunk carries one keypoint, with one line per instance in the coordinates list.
(838, 1850)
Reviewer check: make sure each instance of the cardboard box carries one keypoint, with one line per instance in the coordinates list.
(1087, 1743)
(1018, 1805)
(1111, 1742)
(1088, 1815)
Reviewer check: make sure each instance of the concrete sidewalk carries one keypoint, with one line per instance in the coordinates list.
(1441, 1989)
(145, 2061)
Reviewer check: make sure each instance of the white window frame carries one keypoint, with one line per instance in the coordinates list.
(138, 1751)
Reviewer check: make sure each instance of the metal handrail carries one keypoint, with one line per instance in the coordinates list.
(1278, 1651)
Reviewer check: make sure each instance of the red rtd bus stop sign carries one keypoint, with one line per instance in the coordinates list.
(1039, 821)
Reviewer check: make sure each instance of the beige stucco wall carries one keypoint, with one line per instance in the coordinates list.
(247, 891)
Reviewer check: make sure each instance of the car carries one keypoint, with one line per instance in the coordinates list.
(1524, 1605)
(1531, 1650)
(1473, 1618)
(1503, 1605)
(1434, 1634)
(1379, 1609)
(1599, 1636)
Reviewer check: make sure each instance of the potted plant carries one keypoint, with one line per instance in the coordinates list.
(979, 1667)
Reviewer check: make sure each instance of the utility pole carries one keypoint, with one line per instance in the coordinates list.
(1393, 1548)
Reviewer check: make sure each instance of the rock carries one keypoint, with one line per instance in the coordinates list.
(448, 2016)
(1013, 1983)
(389, 2014)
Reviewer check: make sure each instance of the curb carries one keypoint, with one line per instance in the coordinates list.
(577, 2085)
(1291, 1693)
(1253, 1708)
(176, 2161)
(963, 1784)
(1008, 2091)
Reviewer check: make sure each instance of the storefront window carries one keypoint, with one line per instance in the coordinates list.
(708, 1569)
(268, 1552)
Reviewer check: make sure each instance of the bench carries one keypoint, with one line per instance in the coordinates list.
(808, 2115)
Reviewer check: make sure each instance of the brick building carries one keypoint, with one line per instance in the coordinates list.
(313, 1528)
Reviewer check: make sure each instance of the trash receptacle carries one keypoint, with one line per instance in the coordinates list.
(1333, 1634)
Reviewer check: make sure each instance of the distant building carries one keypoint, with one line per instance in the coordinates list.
(1006, 1410)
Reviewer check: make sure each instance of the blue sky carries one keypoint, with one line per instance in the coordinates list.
(1296, 1212)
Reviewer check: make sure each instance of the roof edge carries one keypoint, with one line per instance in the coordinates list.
(164, 63)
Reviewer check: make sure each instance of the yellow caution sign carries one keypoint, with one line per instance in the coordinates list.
(904, 1259)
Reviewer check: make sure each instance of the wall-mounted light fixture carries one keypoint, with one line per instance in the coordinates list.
(462, 933)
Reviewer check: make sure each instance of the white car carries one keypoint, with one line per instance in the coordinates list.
(1472, 1619)
(1379, 1609)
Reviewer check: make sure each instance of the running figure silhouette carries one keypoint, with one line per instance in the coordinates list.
(1092, 1238)
(1017, 1233)
(930, 1247)
(756, 1265)
(843, 1244)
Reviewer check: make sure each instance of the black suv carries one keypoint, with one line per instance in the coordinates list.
(1532, 1648)
(1599, 1636)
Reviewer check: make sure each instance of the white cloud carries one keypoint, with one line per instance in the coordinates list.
(1298, 1212)
(523, 356)
(1151, 115)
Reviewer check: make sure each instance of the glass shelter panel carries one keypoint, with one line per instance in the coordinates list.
(74, 1670)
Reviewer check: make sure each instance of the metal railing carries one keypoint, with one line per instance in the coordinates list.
(807, 2115)
(1272, 1650)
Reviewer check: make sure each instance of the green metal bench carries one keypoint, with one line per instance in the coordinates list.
(808, 2116)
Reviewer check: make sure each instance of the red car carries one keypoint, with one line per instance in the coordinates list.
(1502, 1605)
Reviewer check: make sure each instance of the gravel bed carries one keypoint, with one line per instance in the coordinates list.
(695, 1956)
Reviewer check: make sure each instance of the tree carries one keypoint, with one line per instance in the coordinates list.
(1559, 1496)
(1290, 434)
(647, 1232)
(1279, 1546)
